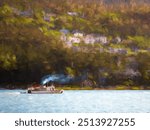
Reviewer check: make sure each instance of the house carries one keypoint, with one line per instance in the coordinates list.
(122, 51)
(89, 39)
(16, 11)
(78, 34)
(74, 39)
(78, 37)
(95, 38)
(116, 40)
(27, 13)
(101, 39)
(117, 50)
(70, 40)
(48, 16)
(64, 31)
(63, 37)
(68, 44)
(72, 13)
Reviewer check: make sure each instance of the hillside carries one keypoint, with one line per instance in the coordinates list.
(107, 41)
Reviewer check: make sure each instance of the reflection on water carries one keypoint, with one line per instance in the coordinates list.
(75, 102)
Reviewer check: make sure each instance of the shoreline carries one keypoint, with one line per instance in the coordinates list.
(24, 86)
(118, 87)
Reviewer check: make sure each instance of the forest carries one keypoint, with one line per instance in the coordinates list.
(31, 45)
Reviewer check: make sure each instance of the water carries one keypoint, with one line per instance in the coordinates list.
(93, 101)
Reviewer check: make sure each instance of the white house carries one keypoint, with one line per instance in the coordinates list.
(95, 38)
(74, 39)
(70, 40)
(101, 39)
(79, 37)
(116, 40)
(89, 39)
(78, 34)
(72, 13)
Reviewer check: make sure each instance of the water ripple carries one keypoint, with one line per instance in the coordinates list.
(11, 101)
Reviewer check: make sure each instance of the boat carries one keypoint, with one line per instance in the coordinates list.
(40, 89)
(45, 92)
(46, 87)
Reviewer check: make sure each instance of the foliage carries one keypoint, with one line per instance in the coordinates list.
(30, 47)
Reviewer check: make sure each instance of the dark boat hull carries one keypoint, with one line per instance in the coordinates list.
(43, 92)
(46, 92)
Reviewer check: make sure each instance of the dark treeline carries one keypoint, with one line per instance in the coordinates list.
(30, 47)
